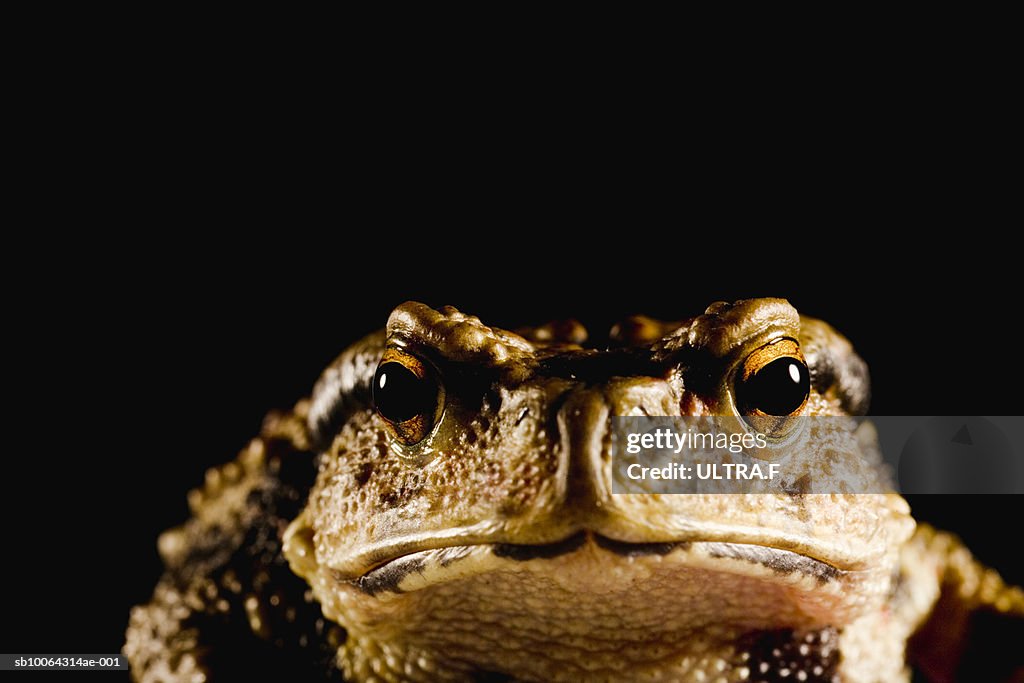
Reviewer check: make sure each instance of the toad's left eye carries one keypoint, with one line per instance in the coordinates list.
(408, 395)
(773, 381)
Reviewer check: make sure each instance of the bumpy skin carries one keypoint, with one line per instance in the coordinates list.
(493, 548)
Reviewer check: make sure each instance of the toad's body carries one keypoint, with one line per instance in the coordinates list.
(461, 524)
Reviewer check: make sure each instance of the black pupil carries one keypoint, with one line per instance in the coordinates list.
(779, 388)
(400, 395)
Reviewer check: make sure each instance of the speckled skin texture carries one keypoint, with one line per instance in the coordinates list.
(492, 548)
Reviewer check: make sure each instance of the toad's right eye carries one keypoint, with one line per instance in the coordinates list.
(407, 395)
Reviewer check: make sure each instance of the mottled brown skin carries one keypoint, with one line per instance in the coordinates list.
(482, 541)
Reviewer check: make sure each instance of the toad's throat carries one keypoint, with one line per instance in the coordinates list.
(391, 575)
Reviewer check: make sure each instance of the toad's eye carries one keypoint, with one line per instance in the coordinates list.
(408, 395)
(773, 382)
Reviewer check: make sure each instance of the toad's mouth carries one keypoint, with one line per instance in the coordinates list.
(419, 568)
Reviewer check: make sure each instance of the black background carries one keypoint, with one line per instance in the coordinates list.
(142, 374)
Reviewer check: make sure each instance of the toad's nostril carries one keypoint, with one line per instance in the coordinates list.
(522, 416)
(691, 405)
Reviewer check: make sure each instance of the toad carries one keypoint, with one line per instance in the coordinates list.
(442, 509)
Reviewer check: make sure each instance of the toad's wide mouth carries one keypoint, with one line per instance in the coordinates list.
(419, 568)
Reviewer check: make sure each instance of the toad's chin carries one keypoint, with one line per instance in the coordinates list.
(717, 579)
(607, 603)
